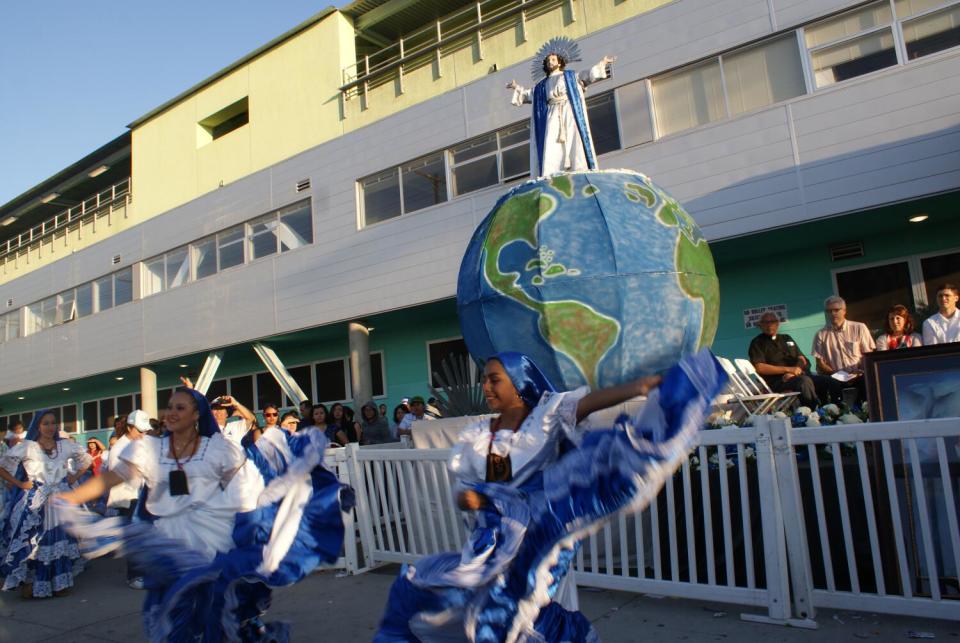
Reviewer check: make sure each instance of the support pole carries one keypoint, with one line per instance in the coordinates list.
(360, 379)
(148, 391)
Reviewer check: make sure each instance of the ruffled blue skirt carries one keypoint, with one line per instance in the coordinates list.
(297, 526)
(501, 586)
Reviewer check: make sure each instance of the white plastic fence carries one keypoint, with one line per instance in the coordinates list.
(861, 517)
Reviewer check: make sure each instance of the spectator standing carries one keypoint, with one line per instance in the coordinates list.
(784, 367)
(345, 431)
(323, 421)
(271, 416)
(95, 450)
(840, 345)
(233, 418)
(16, 434)
(944, 326)
(418, 411)
(123, 497)
(399, 412)
(898, 330)
(375, 428)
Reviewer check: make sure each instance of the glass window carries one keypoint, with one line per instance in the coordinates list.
(381, 197)
(635, 121)
(376, 374)
(124, 405)
(602, 114)
(178, 268)
(216, 389)
(65, 307)
(107, 413)
(242, 389)
(848, 24)
(13, 325)
(68, 418)
(84, 299)
(931, 33)
(48, 311)
(440, 351)
(268, 391)
(303, 376)
(263, 236)
(122, 286)
(90, 417)
(104, 293)
(424, 183)
(230, 247)
(163, 399)
(34, 320)
(204, 257)
(853, 58)
(939, 270)
(688, 98)
(515, 151)
(475, 164)
(870, 292)
(153, 279)
(331, 381)
(762, 75)
(296, 229)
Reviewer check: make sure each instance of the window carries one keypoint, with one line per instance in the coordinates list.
(424, 183)
(242, 389)
(230, 247)
(475, 164)
(262, 236)
(602, 114)
(178, 268)
(91, 420)
(515, 150)
(104, 293)
(442, 350)
(688, 98)
(296, 227)
(124, 405)
(851, 44)
(763, 75)
(377, 383)
(153, 276)
(635, 121)
(204, 257)
(9, 326)
(228, 119)
(68, 418)
(268, 391)
(938, 270)
(303, 376)
(48, 312)
(65, 307)
(84, 300)
(381, 196)
(871, 291)
(123, 286)
(108, 412)
(930, 31)
(331, 380)
(216, 389)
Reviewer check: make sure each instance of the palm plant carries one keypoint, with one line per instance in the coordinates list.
(459, 392)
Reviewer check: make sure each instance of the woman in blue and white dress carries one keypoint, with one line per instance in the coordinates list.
(208, 562)
(537, 486)
(39, 556)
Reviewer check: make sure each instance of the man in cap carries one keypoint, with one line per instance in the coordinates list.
(418, 411)
(123, 497)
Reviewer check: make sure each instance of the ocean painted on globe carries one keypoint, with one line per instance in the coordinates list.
(599, 276)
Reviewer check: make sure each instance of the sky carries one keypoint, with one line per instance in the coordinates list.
(74, 74)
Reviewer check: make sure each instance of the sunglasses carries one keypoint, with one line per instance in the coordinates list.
(270, 415)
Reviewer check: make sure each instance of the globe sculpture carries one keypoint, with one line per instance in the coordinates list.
(599, 276)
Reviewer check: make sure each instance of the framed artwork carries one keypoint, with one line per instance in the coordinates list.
(913, 383)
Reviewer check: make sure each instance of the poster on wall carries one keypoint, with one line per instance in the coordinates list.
(751, 316)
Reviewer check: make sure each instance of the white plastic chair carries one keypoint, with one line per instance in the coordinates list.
(759, 386)
(750, 402)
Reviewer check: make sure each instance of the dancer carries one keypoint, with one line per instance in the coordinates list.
(538, 486)
(559, 129)
(39, 556)
(209, 567)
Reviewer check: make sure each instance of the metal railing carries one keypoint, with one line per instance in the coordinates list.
(859, 517)
(92, 206)
(463, 25)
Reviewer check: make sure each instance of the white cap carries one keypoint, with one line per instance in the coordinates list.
(140, 420)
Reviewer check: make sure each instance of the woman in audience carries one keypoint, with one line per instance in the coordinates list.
(290, 421)
(338, 431)
(271, 416)
(898, 330)
(375, 428)
(352, 428)
(399, 412)
(38, 555)
(322, 420)
(95, 450)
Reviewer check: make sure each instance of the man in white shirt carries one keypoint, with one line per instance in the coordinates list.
(418, 411)
(944, 327)
(232, 427)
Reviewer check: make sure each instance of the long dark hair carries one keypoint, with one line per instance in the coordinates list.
(560, 59)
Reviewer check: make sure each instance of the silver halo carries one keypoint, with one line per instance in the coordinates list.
(561, 45)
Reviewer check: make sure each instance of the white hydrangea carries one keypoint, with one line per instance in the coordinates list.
(849, 418)
(813, 420)
(831, 409)
(779, 414)
(804, 410)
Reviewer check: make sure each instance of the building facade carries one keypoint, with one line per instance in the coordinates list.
(324, 188)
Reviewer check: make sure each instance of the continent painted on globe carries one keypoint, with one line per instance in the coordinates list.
(572, 328)
(599, 276)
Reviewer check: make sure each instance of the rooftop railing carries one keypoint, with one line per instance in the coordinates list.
(89, 207)
(463, 25)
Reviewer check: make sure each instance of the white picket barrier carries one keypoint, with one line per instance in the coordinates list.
(753, 521)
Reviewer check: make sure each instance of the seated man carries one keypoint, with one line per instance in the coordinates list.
(841, 344)
(943, 326)
(784, 367)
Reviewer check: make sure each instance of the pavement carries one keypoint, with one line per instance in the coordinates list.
(330, 607)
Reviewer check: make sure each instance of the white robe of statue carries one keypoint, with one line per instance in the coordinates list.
(563, 149)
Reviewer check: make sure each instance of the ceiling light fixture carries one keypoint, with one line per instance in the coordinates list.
(119, 378)
(8, 221)
(183, 365)
(918, 218)
(50, 197)
(98, 171)
(66, 388)
(20, 397)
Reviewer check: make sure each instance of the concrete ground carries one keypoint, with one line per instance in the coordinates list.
(331, 608)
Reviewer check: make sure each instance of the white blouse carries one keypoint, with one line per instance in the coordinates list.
(203, 518)
(68, 458)
(554, 417)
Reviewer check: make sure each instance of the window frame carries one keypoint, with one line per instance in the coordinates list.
(429, 342)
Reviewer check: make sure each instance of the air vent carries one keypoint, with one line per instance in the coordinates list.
(303, 185)
(116, 259)
(844, 251)
(9, 303)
